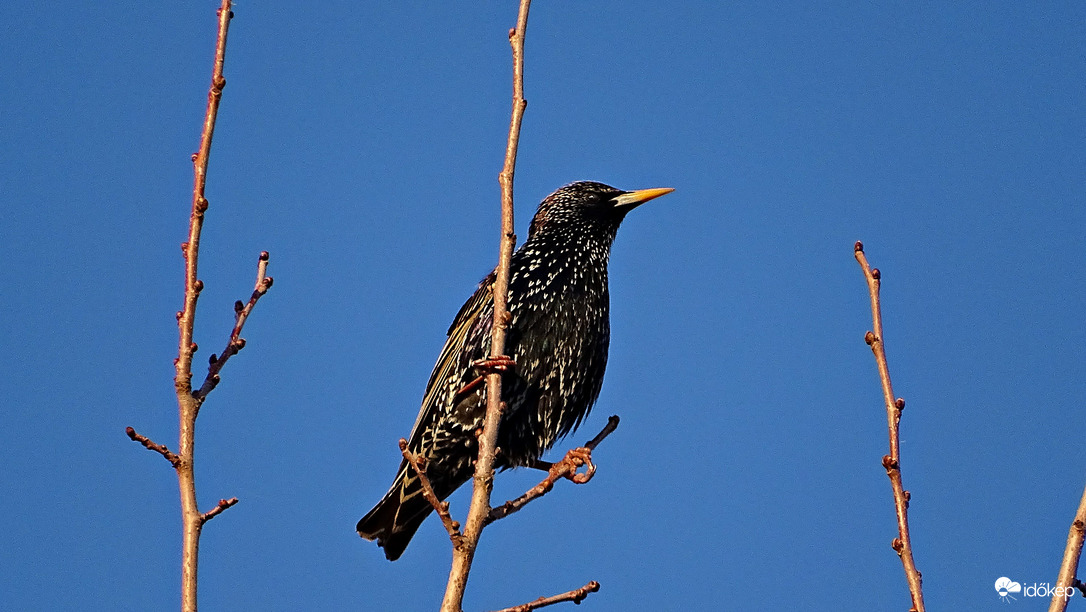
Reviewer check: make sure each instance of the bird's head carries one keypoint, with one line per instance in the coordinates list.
(589, 205)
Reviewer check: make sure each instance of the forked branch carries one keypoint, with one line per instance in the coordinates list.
(188, 402)
(892, 462)
(566, 468)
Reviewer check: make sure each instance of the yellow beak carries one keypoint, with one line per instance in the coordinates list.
(636, 198)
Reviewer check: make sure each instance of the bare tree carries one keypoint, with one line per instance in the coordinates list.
(189, 400)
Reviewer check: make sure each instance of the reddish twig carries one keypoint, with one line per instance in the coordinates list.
(188, 406)
(149, 445)
(892, 462)
(236, 342)
(218, 509)
(188, 403)
(1067, 581)
(484, 465)
(566, 468)
(576, 596)
(442, 508)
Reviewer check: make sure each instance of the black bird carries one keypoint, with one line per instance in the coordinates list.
(558, 338)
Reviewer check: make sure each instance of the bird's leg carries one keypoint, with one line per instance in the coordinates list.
(567, 467)
(471, 386)
(539, 464)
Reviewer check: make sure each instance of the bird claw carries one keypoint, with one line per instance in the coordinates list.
(576, 458)
(501, 363)
(490, 365)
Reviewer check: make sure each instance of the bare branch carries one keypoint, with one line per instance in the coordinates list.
(1067, 581)
(566, 468)
(608, 429)
(149, 445)
(484, 466)
(218, 509)
(442, 508)
(892, 462)
(576, 596)
(191, 248)
(188, 403)
(236, 342)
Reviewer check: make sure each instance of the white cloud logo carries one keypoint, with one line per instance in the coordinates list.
(1005, 586)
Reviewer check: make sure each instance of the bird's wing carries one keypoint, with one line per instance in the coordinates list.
(451, 359)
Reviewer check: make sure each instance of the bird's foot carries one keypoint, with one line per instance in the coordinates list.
(567, 468)
(490, 365)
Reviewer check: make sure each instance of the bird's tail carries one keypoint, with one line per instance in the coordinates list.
(396, 518)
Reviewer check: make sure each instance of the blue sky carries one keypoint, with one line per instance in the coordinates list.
(360, 144)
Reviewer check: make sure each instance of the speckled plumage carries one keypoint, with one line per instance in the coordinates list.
(558, 337)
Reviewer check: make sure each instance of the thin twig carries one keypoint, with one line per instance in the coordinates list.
(484, 466)
(892, 462)
(218, 509)
(188, 404)
(236, 342)
(608, 429)
(1067, 581)
(150, 445)
(442, 508)
(566, 468)
(576, 596)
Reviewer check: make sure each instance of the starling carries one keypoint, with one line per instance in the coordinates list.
(558, 339)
